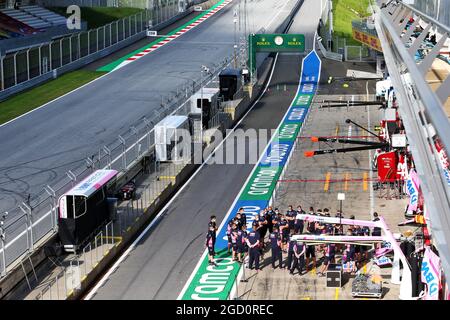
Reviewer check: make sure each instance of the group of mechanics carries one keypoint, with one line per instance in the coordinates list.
(281, 227)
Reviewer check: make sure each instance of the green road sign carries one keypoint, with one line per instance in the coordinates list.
(274, 43)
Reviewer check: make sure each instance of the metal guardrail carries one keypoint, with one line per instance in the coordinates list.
(35, 221)
(329, 54)
(70, 278)
(421, 108)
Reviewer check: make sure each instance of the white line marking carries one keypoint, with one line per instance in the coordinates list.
(225, 219)
(133, 245)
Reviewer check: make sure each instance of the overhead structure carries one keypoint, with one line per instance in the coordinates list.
(273, 43)
(409, 56)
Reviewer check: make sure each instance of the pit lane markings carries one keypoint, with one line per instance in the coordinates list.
(327, 182)
(365, 182)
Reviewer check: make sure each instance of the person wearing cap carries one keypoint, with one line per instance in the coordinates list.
(210, 246)
(299, 257)
(290, 217)
(275, 243)
(253, 248)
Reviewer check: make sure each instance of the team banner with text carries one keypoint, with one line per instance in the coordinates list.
(216, 282)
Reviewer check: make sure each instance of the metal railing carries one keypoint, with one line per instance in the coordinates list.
(70, 278)
(22, 66)
(420, 107)
(25, 65)
(34, 222)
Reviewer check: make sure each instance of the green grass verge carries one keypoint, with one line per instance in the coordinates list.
(99, 16)
(33, 98)
(344, 11)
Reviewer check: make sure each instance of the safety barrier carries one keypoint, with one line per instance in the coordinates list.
(36, 221)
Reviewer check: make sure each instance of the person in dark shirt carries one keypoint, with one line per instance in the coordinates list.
(290, 217)
(376, 230)
(268, 214)
(262, 228)
(310, 254)
(253, 248)
(212, 227)
(275, 243)
(234, 240)
(243, 218)
(290, 254)
(299, 258)
(228, 233)
(330, 251)
(299, 223)
(284, 229)
(241, 244)
(311, 227)
(238, 221)
(210, 246)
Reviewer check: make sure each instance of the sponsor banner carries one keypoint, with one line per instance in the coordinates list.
(251, 210)
(216, 282)
(302, 100)
(276, 154)
(412, 187)
(296, 115)
(370, 40)
(383, 261)
(261, 184)
(430, 274)
(213, 282)
(288, 131)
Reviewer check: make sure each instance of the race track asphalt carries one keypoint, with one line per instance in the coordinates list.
(38, 148)
(164, 258)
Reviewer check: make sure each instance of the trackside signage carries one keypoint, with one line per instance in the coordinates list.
(216, 282)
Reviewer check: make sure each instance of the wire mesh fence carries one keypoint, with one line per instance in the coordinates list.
(36, 219)
(25, 65)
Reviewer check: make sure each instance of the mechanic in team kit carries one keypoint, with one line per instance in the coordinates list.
(299, 258)
(298, 222)
(290, 217)
(284, 229)
(212, 227)
(210, 241)
(329, 254)
(253, 243)
(242, 244)
(275, 243)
